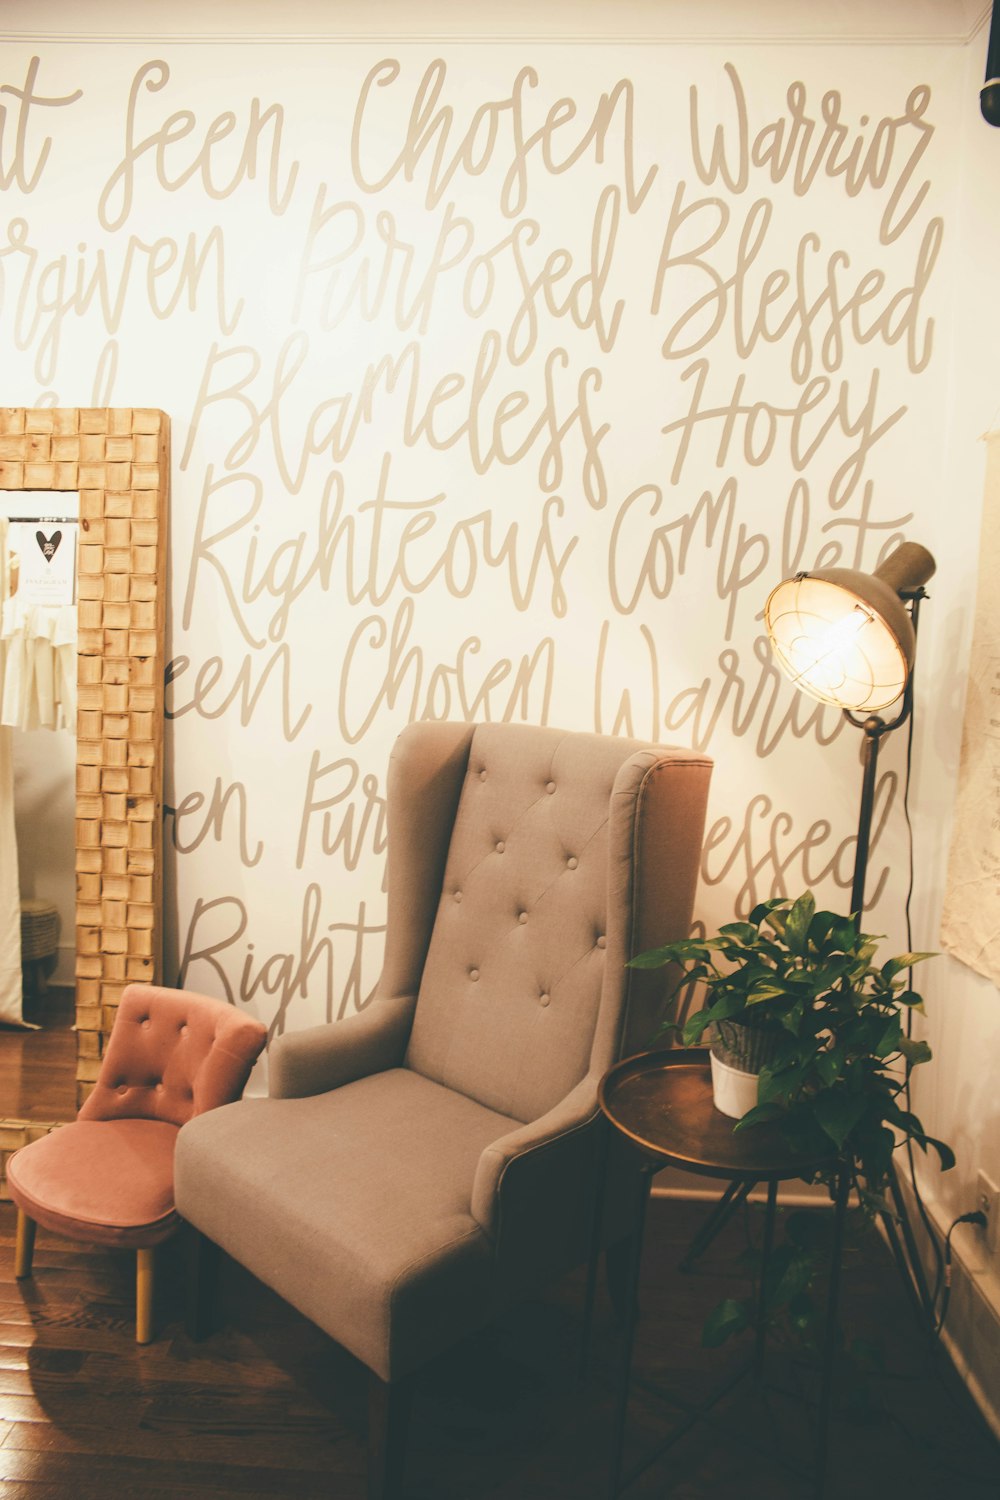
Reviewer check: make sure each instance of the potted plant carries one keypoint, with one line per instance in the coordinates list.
(839, 1058)
(826, 1024)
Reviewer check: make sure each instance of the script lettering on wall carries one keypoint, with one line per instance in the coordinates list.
(507, 382)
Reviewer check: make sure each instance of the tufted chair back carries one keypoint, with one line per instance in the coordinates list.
(171, 1055)
(568, 854)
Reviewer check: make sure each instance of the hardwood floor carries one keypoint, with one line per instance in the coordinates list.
(38, 1068)
(270, 1407)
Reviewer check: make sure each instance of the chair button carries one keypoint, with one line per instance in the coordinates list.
(183, 1028)
(602, 942)
(572, 862)
(122, 1088)
(482, 775)
(522, 916)
(543, 999)
(550, 787)
(458, 895)
(501, 846)
(473, 974)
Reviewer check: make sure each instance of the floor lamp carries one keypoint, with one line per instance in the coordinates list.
(849, 638)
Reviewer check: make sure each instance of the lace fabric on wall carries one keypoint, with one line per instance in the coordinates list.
(970, 926)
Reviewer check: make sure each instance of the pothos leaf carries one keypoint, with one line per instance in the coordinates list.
(799, 918)
(944, 1151)
(764, 908)
(694, 1026)
(903, 961)
(838, 1112)
(915, 1052)
(911, 999)
(746, 931)
(759, 1115)
(829, 1064)
(891, 1040)
(728, 1318)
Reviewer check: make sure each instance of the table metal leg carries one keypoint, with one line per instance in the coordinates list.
(769, 1218)
(830, 1335)
(728, 1204)
(632, 1304)
(601, 1170)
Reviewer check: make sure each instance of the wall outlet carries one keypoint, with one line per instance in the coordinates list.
(988, 1203)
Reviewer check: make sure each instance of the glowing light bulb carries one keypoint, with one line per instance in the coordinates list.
(818, 657)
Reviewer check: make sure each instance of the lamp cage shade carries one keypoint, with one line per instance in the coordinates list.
(832, 647)
(846, 637)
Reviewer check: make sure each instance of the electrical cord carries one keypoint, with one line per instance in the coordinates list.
(925, 1218)
(943, 1287)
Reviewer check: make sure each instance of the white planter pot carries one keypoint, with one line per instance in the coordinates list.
(734, 1093)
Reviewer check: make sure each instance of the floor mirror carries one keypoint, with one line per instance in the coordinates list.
(116, 461)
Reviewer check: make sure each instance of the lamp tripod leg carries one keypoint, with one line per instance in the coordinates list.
(621, 1414)
(830, 1334)
(912, 1258)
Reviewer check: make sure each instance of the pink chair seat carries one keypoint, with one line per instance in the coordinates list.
(108, 1182)
(109, 1178)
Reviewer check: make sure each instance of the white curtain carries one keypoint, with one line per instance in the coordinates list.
(10, 895)
(38, 643)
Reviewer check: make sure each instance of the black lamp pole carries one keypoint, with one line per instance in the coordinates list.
(900, 580)
(874, 729)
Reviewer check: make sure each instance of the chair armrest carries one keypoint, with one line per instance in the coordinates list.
(322, 1058)
(519, 1174)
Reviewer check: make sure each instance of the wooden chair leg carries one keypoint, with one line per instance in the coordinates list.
(205, 1260)
(388, 1419)
(144, 1295)
(24, 1245)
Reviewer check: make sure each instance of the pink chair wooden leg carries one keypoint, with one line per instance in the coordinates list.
(24, 1245)
(145, 1288)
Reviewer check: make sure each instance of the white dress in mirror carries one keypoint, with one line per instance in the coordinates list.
(38, 636)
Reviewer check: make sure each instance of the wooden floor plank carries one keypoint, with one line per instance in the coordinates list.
(251, 1448)
(120, 1475)
(269, 1406)
(38, 1072)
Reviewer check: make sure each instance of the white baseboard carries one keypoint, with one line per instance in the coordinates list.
(673, 1183)
(971, 1332)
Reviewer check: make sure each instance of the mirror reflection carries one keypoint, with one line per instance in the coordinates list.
(38, 639)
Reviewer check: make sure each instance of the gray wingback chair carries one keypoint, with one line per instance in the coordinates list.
(422, 1163)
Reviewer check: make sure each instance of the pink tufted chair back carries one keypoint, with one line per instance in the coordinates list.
(171, 1055)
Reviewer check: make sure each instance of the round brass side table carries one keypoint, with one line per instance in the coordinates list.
(661, 1103)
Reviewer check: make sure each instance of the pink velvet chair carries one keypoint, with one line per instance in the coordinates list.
(108, 1179)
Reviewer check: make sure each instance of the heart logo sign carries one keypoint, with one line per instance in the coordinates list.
(49, 545)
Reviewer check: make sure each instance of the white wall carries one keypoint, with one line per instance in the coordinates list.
(238, 246)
